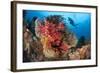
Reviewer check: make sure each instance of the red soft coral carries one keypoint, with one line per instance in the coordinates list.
(52, 32)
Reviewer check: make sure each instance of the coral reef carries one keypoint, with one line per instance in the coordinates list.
(50, 40)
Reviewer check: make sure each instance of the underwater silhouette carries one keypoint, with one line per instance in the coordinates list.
(72, 22)
(81, 42)
(31, 25)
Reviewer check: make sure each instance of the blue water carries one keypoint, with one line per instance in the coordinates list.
(82, 21)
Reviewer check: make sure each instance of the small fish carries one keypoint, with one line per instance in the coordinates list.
(71, 21)
(31, 25)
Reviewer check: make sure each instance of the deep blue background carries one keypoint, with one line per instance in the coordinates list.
(82, 20)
